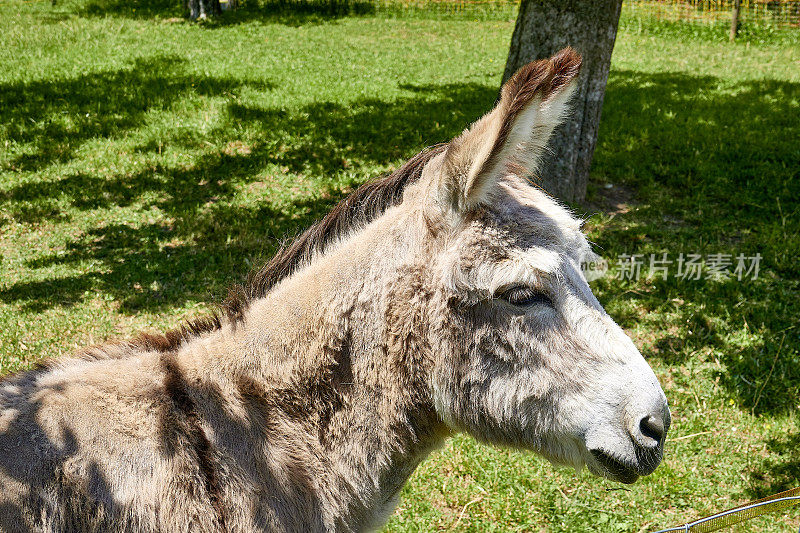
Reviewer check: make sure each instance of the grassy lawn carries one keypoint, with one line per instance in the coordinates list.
(148, 163)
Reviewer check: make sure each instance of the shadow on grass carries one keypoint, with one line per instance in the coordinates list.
(781, 471)
(210, 241)
(287, 12)
(54, 118)
(714, 169)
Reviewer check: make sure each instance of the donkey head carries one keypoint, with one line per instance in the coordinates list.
(522, 352)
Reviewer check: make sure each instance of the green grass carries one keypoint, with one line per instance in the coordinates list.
(148, 163)
(637, 19)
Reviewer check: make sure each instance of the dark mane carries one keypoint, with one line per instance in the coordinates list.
(363, 205)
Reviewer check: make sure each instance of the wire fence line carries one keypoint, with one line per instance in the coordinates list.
(776, 13)
(777, 502)
(781, 13)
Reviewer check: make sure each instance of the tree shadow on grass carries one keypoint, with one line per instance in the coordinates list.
(131, 9)
(54, 118)
(290, 13)
(779, 472)
(714, 170)
(143, 270)
(210, 241)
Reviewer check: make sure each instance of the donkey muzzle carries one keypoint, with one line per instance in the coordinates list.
(640, 453)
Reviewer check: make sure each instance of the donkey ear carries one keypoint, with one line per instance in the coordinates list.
(513, 136)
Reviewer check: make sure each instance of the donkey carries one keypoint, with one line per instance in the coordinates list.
(447, 296)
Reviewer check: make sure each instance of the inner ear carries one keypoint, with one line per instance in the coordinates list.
(512, 137)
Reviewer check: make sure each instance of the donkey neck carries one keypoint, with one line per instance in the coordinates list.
(329, 334)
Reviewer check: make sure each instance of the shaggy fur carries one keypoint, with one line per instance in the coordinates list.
(445, 297)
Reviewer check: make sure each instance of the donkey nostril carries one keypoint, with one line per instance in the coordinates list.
(653, 427)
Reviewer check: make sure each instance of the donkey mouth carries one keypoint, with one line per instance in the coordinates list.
(614, 468)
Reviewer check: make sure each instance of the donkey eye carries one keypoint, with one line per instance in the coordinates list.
(524, 296)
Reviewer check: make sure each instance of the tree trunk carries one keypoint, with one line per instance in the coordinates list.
(544, 27)
(202, 9)
(734, 19)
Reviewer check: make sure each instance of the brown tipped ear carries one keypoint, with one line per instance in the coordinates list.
(514, 134)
